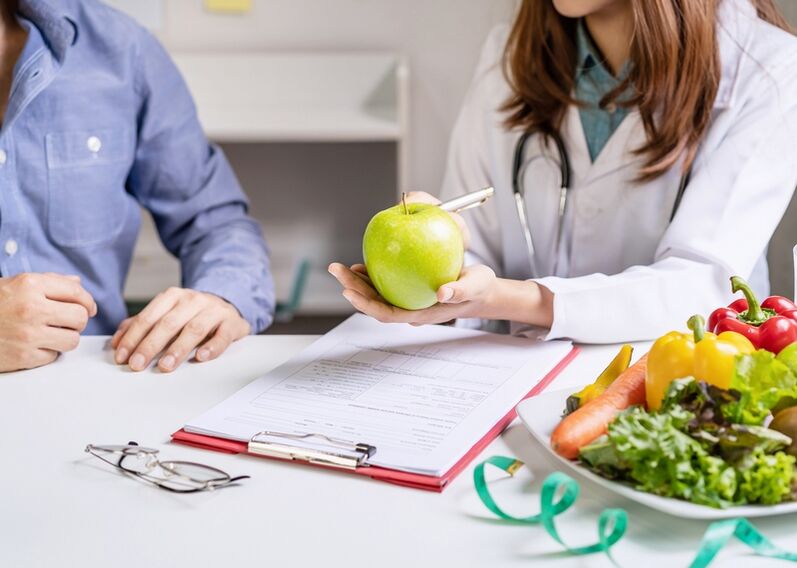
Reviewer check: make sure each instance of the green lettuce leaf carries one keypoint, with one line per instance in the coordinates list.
(674, 454)
(767, 478)
(703, 400)
(762, 381)
(659, 458)
(787, 356)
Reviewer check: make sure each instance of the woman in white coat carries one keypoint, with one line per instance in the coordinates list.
(677, 121)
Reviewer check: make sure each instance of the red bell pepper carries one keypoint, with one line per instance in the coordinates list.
(770, 325)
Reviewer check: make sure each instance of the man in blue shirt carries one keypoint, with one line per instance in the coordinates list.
(96, 121)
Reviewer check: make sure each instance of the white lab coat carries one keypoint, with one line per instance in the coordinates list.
(630, 274)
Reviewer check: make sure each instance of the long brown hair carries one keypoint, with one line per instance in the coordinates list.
(673, 78)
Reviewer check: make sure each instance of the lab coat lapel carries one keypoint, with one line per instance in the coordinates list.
(576, 146)
(618, 154)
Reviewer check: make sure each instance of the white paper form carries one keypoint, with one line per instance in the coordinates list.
(422, 396)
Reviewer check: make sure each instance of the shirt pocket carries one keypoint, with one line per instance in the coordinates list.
(87, 171)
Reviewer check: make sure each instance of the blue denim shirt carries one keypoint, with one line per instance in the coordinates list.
(593, 82)
(99, 121)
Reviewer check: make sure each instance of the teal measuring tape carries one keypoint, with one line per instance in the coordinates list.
(612, 523)
(718, 534)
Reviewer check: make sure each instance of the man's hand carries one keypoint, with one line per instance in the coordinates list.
(42, 315)
(178, 321)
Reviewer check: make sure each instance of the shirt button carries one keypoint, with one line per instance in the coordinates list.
(11, 247)
(3, 157)
(94, 144)
(611, 108)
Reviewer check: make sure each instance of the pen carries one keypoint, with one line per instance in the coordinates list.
(467, 201)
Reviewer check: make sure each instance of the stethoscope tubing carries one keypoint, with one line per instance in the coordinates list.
(564, 187)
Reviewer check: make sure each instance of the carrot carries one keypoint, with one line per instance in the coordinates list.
(591, 421)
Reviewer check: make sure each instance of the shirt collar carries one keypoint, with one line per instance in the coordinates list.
(51, 18)
(33, 44)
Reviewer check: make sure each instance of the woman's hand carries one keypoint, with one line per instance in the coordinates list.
(178, 321)
(478, 293)
(469, 296)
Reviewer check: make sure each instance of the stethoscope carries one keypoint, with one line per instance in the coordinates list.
(519, 166)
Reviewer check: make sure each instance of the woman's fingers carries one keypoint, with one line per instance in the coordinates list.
(351, 280)
(473, 282)
(360, 270)
(386, 313)
(376, 309)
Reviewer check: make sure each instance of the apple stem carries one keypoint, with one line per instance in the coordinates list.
(404, 202)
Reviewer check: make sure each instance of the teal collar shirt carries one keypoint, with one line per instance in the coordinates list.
(593, 82)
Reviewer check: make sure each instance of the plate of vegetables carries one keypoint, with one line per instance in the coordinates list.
(703, 426)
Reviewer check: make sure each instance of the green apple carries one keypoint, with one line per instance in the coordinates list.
(410, 252)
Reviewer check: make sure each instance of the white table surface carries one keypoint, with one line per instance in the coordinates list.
(61, 507)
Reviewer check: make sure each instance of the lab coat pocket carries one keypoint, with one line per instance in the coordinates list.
(87, 172)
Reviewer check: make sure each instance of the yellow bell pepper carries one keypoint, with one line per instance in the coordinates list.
(705, 356)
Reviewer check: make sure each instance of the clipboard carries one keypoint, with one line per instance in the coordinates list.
(284, 450)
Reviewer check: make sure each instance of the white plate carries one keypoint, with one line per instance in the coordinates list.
(542, 413)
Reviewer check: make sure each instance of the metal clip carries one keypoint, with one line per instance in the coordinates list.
(347, 455)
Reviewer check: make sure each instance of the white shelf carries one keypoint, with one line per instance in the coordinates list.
(300, 97)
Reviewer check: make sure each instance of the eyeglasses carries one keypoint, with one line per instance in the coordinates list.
(175, 476)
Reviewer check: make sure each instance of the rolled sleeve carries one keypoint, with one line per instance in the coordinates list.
(641, 303)
(196, 201)
(244, 295)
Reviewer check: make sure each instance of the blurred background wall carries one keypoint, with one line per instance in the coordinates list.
(441, 40)
(789, 8)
